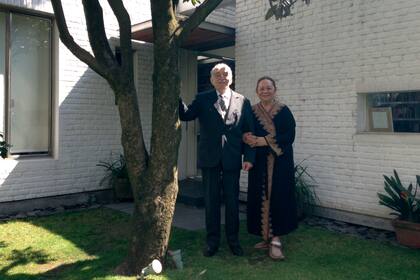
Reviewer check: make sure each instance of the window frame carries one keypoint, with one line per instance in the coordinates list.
(364, 119)
(8, 10)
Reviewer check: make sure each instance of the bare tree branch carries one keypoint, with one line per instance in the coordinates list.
(69, 42)
(97, 38)
(199, 15)
(127, 73)
(124, 23)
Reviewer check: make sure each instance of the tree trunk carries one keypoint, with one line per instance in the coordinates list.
(132, 136)
(158, 183)
(156, 192)
(151, 224)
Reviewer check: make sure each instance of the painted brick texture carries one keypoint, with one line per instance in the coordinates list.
(87, 128)
(322, 57)
(87, 123)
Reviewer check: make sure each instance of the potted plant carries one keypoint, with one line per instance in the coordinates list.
(306, 197)
(117, 177)
(4, 147)
(406, 205)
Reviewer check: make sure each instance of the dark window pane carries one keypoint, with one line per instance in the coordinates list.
(405, 108)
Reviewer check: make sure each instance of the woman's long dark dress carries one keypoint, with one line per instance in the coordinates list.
(278, 214)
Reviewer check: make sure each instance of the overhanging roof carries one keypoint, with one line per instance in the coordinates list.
(206, 36)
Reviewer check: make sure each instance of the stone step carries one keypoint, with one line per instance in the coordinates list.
(191, 192)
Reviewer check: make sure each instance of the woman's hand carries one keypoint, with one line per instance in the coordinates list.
(249, 139)
(254, 141)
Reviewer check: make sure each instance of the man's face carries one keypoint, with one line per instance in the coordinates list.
(220, 79)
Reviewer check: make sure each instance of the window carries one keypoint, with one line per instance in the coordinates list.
(2, 68)
(25, 82)
(393, 111)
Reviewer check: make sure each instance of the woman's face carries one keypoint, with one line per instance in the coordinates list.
(266, 90)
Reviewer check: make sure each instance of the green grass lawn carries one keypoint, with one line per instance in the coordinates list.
(90, 244)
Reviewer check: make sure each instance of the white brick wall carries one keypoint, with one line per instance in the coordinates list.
(321, 57)
(87, 120)
(87, 123)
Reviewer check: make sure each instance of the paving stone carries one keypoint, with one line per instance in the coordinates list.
(351, 229)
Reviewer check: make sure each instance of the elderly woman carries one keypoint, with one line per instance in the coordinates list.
(271, 210)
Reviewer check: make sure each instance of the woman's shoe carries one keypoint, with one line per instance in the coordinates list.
(275, 251)
(261, 245)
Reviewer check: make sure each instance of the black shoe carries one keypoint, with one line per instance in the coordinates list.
(236, 250)
(209, 251)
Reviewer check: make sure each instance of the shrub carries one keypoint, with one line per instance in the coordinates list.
(401, 199)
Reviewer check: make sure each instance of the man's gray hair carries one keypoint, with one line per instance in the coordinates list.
(222, 65)
(227, 69)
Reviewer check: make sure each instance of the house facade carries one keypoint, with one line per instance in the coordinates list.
(349, 71)
(59, 116)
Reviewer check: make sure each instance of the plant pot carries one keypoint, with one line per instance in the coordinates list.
(408, 233)
(122, 189)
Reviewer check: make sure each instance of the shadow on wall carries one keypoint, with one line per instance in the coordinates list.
(88, 131)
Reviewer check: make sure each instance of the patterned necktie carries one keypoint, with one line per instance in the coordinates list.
(222, 103)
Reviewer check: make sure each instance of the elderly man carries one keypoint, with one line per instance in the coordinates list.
(224, 116)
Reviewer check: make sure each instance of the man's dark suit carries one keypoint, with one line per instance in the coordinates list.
(221, 163)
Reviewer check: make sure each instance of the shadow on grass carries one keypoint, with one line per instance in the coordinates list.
(78, 270)
(99, 241)
(23, 257)
(101, 237)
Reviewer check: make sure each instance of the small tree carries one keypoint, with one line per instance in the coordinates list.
(153, 175)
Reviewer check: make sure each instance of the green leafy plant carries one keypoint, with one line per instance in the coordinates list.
(4, 147)
(194, 2)
(117, 177)
(401, 199)
(116, 169)
(306, 197)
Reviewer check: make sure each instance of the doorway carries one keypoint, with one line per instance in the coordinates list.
(195, 77)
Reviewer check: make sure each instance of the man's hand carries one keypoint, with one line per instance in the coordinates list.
(246, 166)
(249, 139)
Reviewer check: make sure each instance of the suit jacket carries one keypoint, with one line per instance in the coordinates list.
(238, 120)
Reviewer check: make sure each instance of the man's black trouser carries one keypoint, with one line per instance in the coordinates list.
(215, 179)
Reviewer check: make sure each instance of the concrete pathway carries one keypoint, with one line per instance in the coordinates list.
(186, 217)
